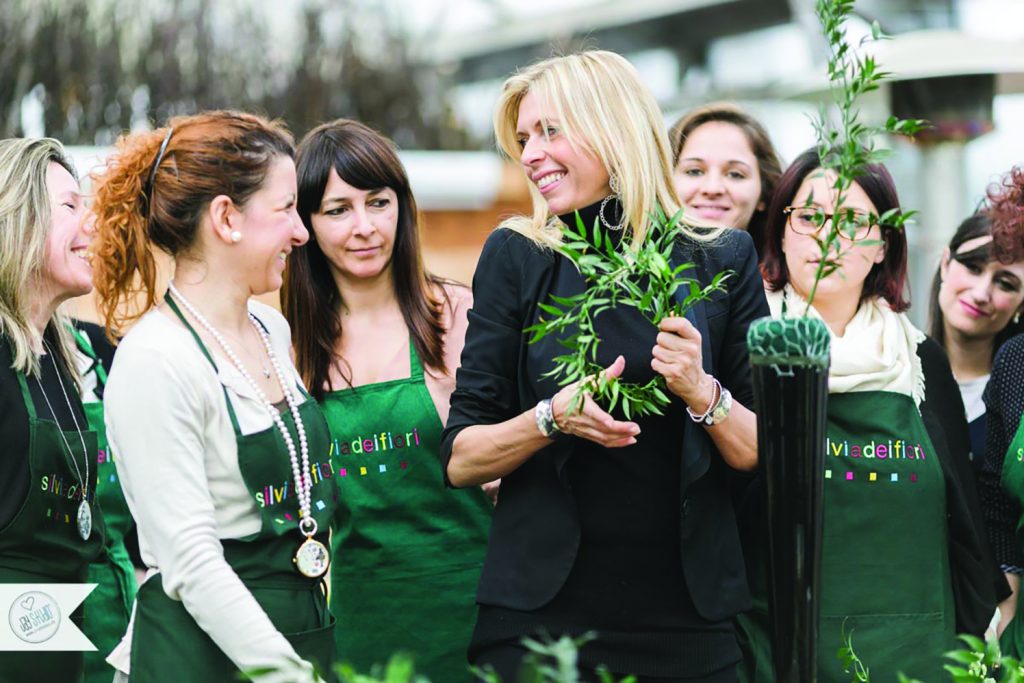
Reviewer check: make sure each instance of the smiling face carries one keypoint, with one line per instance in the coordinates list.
(66, 272)
(979, 295)
(568, 177)
(270, 227)
(856, 258)
(717, 176)
(356, 229)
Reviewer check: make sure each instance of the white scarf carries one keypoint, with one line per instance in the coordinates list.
(877, 352)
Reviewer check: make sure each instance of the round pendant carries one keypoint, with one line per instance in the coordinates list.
(84, 520)
(312, 559)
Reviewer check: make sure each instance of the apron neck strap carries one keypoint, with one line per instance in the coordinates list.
(85, 346)
(415, 366)
(26, 396)
(202, 347)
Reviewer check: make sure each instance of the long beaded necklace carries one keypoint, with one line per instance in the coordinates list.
(312, 557)
(84, 514)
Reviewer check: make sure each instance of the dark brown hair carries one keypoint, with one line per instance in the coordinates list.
(210, 154)
(887, 279)
(978, 225)
(768, 165)
(310, 299)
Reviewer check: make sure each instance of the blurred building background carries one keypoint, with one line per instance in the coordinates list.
(427, 72)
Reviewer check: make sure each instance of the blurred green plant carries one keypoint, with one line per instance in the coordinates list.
(549, 661)
(979, 662)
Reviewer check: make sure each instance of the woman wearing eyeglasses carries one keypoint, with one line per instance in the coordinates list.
(904, 565)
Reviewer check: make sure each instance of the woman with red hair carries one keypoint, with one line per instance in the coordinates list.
(1001, 475)
(220, 449)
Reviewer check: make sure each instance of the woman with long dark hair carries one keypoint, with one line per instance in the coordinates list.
(976, 301)
(377, 339)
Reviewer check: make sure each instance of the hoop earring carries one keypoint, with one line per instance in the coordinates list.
(613, 184)
(236, 236)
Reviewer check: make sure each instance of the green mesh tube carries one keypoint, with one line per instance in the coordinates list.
(799, 342)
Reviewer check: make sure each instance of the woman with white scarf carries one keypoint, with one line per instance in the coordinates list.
(904, 564)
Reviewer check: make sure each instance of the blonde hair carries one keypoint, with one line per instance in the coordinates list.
(25, 223)
(602, 107)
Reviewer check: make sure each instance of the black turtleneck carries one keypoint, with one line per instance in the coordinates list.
(627, 581)
(590, 213)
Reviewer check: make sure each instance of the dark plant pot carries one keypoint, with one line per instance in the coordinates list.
(789, 362)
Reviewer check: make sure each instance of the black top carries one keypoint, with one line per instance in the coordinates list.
(14, 472)
(669, 502)
(978, 585)
(1004, 406)
(618, 491)
(978, 428)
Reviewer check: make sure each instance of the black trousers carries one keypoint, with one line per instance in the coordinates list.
(506, 659)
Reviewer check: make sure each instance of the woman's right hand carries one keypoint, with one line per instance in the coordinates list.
(589, 421)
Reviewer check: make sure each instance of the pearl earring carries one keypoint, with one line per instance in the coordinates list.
(1016, 318)
(236, 236)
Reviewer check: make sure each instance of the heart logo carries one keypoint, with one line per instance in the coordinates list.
(27, 603)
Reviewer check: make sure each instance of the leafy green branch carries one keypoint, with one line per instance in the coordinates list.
(847, 146)
(979, 662)
(617, 276)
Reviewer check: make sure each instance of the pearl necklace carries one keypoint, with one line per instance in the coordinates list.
(84, 514)
(312, 558)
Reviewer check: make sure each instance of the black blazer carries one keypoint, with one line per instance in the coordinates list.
(535, 531)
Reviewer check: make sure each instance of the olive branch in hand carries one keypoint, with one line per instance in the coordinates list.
(616, 275)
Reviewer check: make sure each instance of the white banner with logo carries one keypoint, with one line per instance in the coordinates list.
(37, 616)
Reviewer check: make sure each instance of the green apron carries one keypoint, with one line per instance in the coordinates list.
(1012, 640)
(41, 544)
(885, 573)
(167, 644)
(110, 604)
(410, 550)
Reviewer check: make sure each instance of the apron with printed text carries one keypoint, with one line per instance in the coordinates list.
(409, 550)
(1012, 640)
(885, 577)
(41, 544)
(110, 604)
(167, 644)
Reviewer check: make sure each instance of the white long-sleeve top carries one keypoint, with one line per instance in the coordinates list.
(177, 459)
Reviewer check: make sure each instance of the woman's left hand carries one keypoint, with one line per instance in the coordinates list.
(677, 358)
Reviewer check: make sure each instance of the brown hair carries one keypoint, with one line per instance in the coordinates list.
(207, 155)
(978, 225)
(310, 299)
(768, 165)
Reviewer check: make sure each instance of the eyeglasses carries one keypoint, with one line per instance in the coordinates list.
(808, 220)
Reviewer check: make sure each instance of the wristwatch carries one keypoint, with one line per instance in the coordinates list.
(721, 410)
(546, 419)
